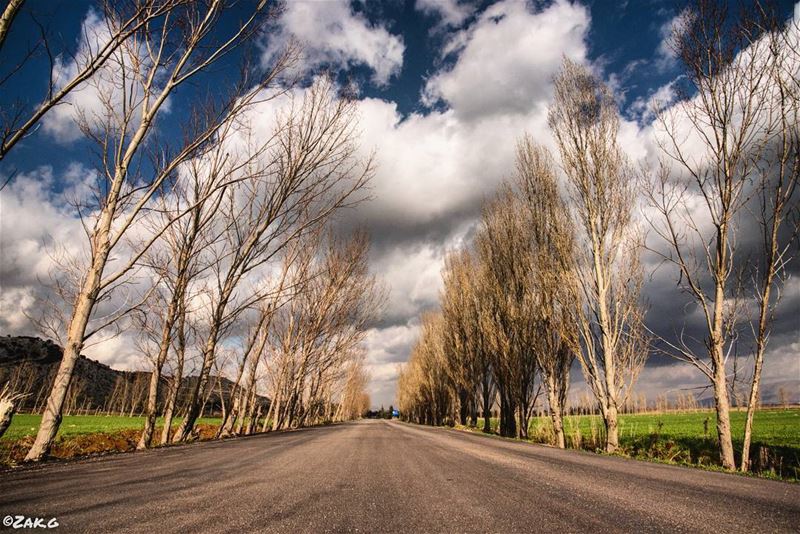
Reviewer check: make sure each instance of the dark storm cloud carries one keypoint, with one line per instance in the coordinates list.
(387, 233)
(674, 313)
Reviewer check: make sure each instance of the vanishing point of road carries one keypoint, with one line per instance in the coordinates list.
(382, 476)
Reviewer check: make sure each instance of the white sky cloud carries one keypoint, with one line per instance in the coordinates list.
(36, 224)
(508, 57)
(331, 33)
(663, 97)
(452, 13)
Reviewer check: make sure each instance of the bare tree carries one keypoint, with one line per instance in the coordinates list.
(585, 121)
(553, 280)
(183, 332)
(125, 22)
(285, 287)
(503, 245)
(320, 330)
(188, 211)
(354, 400)
(468, 352)
(777, 176)
(423, 389)
(253, 348)
(507, 310)
(463, 351)
(712, 141)
(307, 171)
(146, 71)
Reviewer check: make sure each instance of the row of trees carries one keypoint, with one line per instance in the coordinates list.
(730, 159)
(213, 245)
(548, 280)
(554, 271)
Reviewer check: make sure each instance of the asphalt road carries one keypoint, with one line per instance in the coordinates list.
(381, 476)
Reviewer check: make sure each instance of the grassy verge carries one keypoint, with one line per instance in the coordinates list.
(84, 435)
(28, 424)
(687, 438)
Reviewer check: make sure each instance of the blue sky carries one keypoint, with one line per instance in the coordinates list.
(445, 89)
(624, 55)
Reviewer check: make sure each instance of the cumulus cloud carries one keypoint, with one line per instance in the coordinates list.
(42, 238)
(507, 58)
(36, 223)
(435, 168)
(331, 34)
(451, 13)
(62, 121)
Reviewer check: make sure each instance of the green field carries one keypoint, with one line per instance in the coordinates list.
(27, 424)
(777, 428)
(774, 427)
(686, 437)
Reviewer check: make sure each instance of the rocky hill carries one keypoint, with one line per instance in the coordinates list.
(29, 365)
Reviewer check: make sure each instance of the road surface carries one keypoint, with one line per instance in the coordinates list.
(382, 476)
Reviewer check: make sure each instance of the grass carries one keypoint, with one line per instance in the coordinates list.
(72, 425)
(777, 428)
(82, 435)
(687, 437)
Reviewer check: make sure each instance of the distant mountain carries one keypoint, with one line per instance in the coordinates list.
(29, 365)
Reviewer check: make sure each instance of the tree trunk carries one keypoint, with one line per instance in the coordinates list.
(523, 422)
(463, 406)
(612, 428)
(267, 425)
(252, 422)
(169, 408)
(751, 410)
(508, 423)
(51, 418)
(254, 410)
(152, 410)
(276, 413)
(487, 407)
(761, 342)
(723, 418)
(473, 410)
(553, 398)
(195, 405)
(718, 355)
(7, 410)
(241, 423)
(230, 418)
(249, 417)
